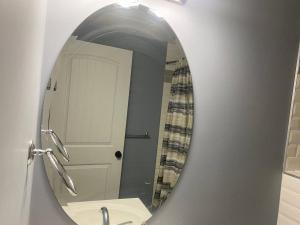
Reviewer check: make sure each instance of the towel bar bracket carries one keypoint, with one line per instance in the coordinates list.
(33, 151)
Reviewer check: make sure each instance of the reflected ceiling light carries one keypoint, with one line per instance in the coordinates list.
(156, 13)
(128, 3)
(178, 1)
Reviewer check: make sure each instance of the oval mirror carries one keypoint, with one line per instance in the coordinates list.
(117, 117)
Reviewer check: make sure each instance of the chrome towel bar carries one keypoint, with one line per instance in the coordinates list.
(58, 143)
(68, 182)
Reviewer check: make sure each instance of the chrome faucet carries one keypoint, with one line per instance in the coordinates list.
(105, 216)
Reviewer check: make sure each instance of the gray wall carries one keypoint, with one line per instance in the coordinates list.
(242, 55)
(146, 87)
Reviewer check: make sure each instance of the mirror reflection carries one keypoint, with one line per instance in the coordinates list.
(118, 116)
(292, 154)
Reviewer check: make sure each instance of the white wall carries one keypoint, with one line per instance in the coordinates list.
(242, 55)
(21, 45)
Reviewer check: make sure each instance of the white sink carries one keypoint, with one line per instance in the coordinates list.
(120, 211)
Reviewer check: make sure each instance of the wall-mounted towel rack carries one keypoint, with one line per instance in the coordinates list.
(56, 140)
(139, 136)
(56, 164)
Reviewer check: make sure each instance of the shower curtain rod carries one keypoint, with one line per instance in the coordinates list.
(175, 61)
(172, 62)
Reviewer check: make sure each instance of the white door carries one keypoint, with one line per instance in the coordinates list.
(21, 47)
(87, 105)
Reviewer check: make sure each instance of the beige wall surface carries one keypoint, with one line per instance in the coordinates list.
(289, 210)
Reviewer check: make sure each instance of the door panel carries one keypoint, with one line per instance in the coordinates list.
(82, 175)
(97, 78)
(93, 125)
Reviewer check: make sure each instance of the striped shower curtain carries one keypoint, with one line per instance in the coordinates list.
(177, 134)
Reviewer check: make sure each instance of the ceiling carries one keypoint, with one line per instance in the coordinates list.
(139, 21)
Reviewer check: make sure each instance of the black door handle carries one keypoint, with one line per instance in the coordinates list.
(118, 155)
